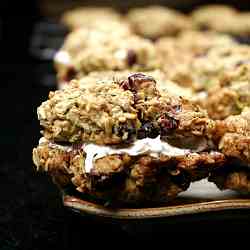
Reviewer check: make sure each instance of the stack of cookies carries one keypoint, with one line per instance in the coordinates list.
(148, 102)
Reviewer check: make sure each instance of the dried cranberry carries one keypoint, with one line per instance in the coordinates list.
(138, 78)
(125, 85)
(123, 129)
(168, 124)
(242, 39)
(148, 130)
(135, 80)
(71, 73)
(204, 27)
(131, 135)
(131, 57)
(242, 62)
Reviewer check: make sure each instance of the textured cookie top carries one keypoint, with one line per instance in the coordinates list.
(218, 61)
(178, 54)
(235, 136)
(115, 112)
(231, 95)
(238, 81)
(91, 109)
(241, 73)
(88, 16)
(239, 124)
(198, 42)
(164, 85)
(84, 37)
(86, 50)
(211, 16)
(204, 14)
(203, 72)
(157, 21)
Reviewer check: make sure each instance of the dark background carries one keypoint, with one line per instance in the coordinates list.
(31, 211)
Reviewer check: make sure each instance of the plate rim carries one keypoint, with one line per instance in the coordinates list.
(93, 209)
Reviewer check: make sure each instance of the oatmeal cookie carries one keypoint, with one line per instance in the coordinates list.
(234, 22)
(111, 112)
(87, 50)
(125, 178)
(156, 21)
(233, 177)
(164, 85)
(204, 72)
(89, 17)
(231, 95)
(233, 135)
(209, 17)
(180, 53)
(124, 140)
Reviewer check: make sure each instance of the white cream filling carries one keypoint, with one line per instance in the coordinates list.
(63, 57)
(153, 147)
